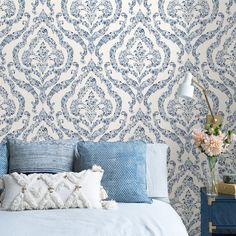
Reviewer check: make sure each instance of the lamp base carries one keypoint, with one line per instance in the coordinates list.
(216, 121)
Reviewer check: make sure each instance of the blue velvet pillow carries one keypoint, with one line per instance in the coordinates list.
(51, 156)
(3, 159)
(124, 167)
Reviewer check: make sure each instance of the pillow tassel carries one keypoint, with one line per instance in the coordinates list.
(111, 204)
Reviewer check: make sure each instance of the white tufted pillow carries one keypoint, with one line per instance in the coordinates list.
(51, 191)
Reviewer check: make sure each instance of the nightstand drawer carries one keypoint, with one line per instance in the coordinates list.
(223, 213)
(218, 214)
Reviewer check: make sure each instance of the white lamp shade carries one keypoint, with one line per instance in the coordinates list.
(186, 89)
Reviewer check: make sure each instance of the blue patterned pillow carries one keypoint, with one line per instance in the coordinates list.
(124, 167)
(41, 157)
(3, 159)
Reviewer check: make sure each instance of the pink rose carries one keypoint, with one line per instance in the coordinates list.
(213, 145)
(198, 136)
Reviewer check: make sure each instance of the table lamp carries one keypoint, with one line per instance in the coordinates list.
(186, 89)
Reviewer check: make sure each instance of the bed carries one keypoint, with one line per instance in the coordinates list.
(129, 219)
(138, 213)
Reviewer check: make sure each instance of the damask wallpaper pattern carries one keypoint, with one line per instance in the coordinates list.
(109, 70)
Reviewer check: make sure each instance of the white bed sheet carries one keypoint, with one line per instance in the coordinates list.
(156, 219)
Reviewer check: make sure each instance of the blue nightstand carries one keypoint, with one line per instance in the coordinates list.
(218, 214)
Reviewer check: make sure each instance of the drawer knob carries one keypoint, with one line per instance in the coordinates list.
(211, 227)
(210, 200)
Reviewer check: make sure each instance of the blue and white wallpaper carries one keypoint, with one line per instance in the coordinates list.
(109, 70)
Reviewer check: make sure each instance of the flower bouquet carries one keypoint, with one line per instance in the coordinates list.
(212, 142)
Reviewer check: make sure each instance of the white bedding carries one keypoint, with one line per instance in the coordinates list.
(156, 219)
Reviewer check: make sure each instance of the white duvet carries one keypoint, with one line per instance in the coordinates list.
(130, 219)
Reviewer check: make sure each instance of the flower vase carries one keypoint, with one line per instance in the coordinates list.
(213, 181)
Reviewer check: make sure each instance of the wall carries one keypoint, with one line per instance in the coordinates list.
(109, 69)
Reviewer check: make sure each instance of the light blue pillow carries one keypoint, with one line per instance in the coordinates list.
(124, 167)
(3, 159)
(41, 157)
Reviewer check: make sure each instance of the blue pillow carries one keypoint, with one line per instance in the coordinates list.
(124, 167)
(51, 156)
(3, 159)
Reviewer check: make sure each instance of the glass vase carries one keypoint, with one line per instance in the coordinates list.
(213, 178)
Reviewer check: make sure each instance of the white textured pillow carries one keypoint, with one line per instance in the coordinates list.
(51, 191)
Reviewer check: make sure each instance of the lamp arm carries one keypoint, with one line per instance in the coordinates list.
(205, 95)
